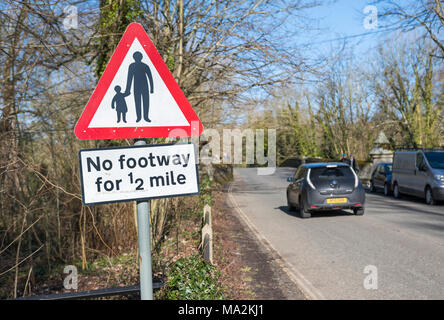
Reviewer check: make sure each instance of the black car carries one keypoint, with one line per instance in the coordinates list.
(325, 186)
(382, 178)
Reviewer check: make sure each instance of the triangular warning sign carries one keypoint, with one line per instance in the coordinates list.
(137, 96)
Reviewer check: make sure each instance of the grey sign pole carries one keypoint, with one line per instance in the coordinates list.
(144, 238)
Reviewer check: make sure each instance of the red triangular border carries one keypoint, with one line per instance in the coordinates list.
(83, 132)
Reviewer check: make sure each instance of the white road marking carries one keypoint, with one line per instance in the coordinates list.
(307, 288)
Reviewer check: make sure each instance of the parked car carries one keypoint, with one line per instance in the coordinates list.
(381, 178)
(325, 186)
(419, 173)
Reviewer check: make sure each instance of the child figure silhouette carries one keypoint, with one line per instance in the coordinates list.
(120, 104)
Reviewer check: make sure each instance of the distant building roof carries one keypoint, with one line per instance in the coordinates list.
(381, 139)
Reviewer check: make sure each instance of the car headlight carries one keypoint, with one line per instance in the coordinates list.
(439, 177)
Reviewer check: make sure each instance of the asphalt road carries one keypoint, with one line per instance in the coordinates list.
(327, 254)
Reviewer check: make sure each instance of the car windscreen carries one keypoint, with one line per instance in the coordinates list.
(435, 159)
(328, 173)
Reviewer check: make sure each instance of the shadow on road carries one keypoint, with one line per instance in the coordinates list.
(318, 214)
(403, 197)
(255, 188)
(405, 203)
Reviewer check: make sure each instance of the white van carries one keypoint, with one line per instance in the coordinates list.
(419, 173)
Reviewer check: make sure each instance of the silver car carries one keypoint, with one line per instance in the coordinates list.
(419, 173)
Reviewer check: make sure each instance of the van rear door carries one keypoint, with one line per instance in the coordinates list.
(404, 170)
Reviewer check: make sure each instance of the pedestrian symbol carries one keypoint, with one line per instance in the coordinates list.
(140, 71)
(120, 104)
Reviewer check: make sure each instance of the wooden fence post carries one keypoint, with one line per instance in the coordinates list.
(207, 235)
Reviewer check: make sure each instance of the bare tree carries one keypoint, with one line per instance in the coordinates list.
(220, 50)
(425, 14)
(344, 110)
(34, 49)
(407, 91)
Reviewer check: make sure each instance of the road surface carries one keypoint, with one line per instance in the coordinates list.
(327, 254)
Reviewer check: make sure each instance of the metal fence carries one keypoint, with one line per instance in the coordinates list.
(91, 294)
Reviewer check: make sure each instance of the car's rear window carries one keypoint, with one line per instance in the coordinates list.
(329, 173)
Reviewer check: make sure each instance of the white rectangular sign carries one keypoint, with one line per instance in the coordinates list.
(138, 172)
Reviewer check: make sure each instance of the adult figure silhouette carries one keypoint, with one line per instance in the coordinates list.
(141, 73)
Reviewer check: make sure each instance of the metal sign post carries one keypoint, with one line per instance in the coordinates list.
(144, 239)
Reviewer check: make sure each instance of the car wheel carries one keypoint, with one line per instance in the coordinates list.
(386, 189)
(303, 210)
(290, 206)
(429, 196)
(372, 186)
(358, 211)
(396, 191)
